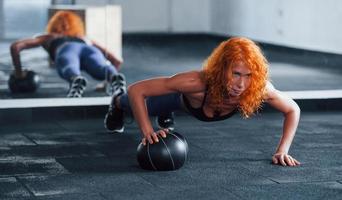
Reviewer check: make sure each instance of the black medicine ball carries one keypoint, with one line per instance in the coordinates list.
(169, 153)
(30, 83)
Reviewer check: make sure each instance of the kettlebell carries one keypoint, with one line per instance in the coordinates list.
(28, 84)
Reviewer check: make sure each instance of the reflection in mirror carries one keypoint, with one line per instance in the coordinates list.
(145, 54)
(58, 50)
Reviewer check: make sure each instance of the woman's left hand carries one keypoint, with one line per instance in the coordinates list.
(284, 160)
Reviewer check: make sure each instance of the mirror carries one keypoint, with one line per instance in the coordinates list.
(24, 20)
(145, 55)
(173, 38)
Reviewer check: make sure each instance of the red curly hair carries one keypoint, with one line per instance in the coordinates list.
(220, 63)
(67, 23)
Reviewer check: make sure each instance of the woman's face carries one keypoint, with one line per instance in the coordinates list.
(240, 79)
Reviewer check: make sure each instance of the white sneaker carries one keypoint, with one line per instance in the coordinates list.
(77, 87)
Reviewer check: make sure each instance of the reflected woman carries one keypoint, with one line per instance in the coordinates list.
(71, 52)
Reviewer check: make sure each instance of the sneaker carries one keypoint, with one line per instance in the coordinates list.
(117, 85)
(77, 87)
(166, 122)
(114, 120)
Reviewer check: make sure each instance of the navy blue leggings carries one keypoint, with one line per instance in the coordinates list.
(162, 106)
(72, 57)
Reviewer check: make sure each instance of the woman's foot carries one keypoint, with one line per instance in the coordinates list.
(114, 119)
(77, 87)
(117, 85)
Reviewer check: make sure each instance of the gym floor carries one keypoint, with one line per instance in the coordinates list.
(77, 159)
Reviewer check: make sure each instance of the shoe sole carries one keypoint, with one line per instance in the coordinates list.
(116, 131)
(113, 131)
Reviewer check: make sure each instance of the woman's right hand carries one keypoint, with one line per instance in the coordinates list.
(281, 158)
(152, 137)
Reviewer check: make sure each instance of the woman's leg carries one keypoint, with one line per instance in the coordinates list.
(161, 106)
(94, 62)
(67, 61)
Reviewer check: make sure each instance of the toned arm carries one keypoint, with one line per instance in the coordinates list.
(291, 112)
(20, 45)
(187, 82)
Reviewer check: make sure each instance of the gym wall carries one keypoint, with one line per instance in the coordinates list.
(305, 24)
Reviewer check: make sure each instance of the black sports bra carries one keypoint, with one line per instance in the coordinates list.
(199, 112)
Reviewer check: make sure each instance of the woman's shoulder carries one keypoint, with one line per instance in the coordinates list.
(192, 80)
(46, 36)
(270, 91)
(194, 74)
(195, 77)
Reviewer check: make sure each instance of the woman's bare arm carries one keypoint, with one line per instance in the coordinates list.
(184, 83)
(20, 45)
(291, 112)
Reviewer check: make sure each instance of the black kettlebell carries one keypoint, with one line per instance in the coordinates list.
(169, 153)
(29, 83)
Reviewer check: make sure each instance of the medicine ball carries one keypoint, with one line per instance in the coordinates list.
(169, 153)
(30, 83)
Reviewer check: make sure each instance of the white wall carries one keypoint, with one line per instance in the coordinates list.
(165, 15)
(2, 20)
(307, 24)
(145, 15)
(190, 15)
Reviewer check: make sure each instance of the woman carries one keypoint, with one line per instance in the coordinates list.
(70, 51)
(234, 79)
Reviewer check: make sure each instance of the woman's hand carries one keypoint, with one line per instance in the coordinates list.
(284, 159)
(153, 137)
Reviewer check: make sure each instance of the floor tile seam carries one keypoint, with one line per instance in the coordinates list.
(149, 182)
(310, 182)
(103, 196)
(34, 174)
(25, 186)
(60, 124)
(239, 196)
(30, 139)
(53, 175)
(232, 193)
(249, 172)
